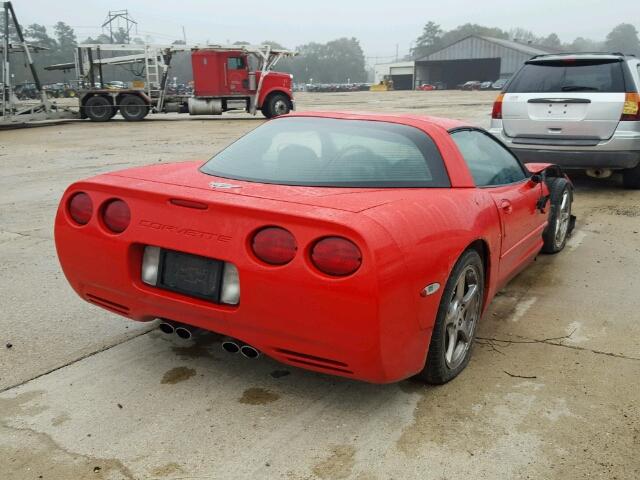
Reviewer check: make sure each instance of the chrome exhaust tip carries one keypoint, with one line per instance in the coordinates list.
(184, 333)
(166, 328)
(230, 346)
(249, 352)
(599, 172)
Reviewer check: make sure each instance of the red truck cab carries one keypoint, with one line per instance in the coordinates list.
(227, 76)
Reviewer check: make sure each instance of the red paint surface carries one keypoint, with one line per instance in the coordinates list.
(372, 325)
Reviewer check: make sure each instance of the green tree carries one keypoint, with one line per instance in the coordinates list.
(623, 38)
(429, 41)
(337, 61)
(65, 36)
(551, 41)
(121, 36)
(467, 29)
(37, 35)
(581, 44)
(102, 38)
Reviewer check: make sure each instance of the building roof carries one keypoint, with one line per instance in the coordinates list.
(524, 48)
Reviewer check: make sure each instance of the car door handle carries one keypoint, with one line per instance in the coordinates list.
(506, 206)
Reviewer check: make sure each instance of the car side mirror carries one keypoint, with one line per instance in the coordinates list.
(535, 178)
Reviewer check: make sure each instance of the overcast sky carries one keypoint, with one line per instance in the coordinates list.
(379, 25)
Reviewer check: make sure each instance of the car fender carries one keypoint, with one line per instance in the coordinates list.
(433, 228)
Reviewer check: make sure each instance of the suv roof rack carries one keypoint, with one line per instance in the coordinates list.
(560, 54)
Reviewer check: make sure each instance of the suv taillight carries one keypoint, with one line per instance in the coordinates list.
(631, 109)
(336, 256)
(274, 245)
(497, 107)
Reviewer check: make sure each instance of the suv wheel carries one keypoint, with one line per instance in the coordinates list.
(631, 177)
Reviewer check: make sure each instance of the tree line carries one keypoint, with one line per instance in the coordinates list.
(338, 61)
(623, 38)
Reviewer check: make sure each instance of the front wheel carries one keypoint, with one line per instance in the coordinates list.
(560, 220)
(455, 327)
(276, 105)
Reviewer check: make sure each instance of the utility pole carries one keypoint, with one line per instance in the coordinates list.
(184, 35)
(396, 52)
(118, 17)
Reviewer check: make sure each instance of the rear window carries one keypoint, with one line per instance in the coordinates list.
(333, 153)
(569, 76)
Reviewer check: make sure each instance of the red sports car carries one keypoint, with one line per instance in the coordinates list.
(360, 245)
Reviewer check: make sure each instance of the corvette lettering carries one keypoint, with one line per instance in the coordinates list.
(189, 232)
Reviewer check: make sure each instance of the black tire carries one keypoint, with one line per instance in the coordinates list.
(631, 177)
(560, 221)
(276, 105)
(437, 369)
(98, 109)
(133, 108)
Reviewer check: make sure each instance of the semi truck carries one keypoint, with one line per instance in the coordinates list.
(225, 78)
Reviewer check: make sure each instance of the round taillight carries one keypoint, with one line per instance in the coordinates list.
(336, 256)
(274, 245)
(116, 216)
(80, 208)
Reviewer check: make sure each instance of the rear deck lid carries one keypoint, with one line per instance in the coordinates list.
(188, 175)
(565, 100)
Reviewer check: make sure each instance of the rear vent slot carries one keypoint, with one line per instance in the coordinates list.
(311, 360)
(180, 202)
(108, 304)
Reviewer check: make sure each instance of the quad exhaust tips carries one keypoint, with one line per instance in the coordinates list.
(231, 345)
(183, 331)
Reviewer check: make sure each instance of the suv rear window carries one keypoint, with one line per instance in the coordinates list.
(332, 152)
(569, 76)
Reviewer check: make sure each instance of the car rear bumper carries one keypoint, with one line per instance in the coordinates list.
(579, 159)
(353, 327)
(621, 151)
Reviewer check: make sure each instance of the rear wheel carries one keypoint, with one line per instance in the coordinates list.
(98, 109)
(133, 108)
(631, 177)
(561, 198)
(276, 105)
(458, 315)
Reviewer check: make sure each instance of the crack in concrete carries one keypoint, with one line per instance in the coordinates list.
(550, 341)
(25, 235)
(79, 359)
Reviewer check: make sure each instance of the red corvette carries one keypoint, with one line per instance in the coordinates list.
(360, 245)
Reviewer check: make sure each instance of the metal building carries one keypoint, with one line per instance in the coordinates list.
(474, 58)
(400, 72)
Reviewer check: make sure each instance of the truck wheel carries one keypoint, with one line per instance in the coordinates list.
(631, 177)
(560, 220)
(276, 105)
(133, 108)
(98, 109)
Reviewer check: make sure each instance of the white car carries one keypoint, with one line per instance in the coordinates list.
(580, 111)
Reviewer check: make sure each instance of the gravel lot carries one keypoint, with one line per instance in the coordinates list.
(551, 391)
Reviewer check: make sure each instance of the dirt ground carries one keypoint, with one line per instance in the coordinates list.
(551, 390)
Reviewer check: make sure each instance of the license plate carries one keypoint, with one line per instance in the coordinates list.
(190, 274)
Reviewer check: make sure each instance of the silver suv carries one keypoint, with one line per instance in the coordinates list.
(580, 111)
